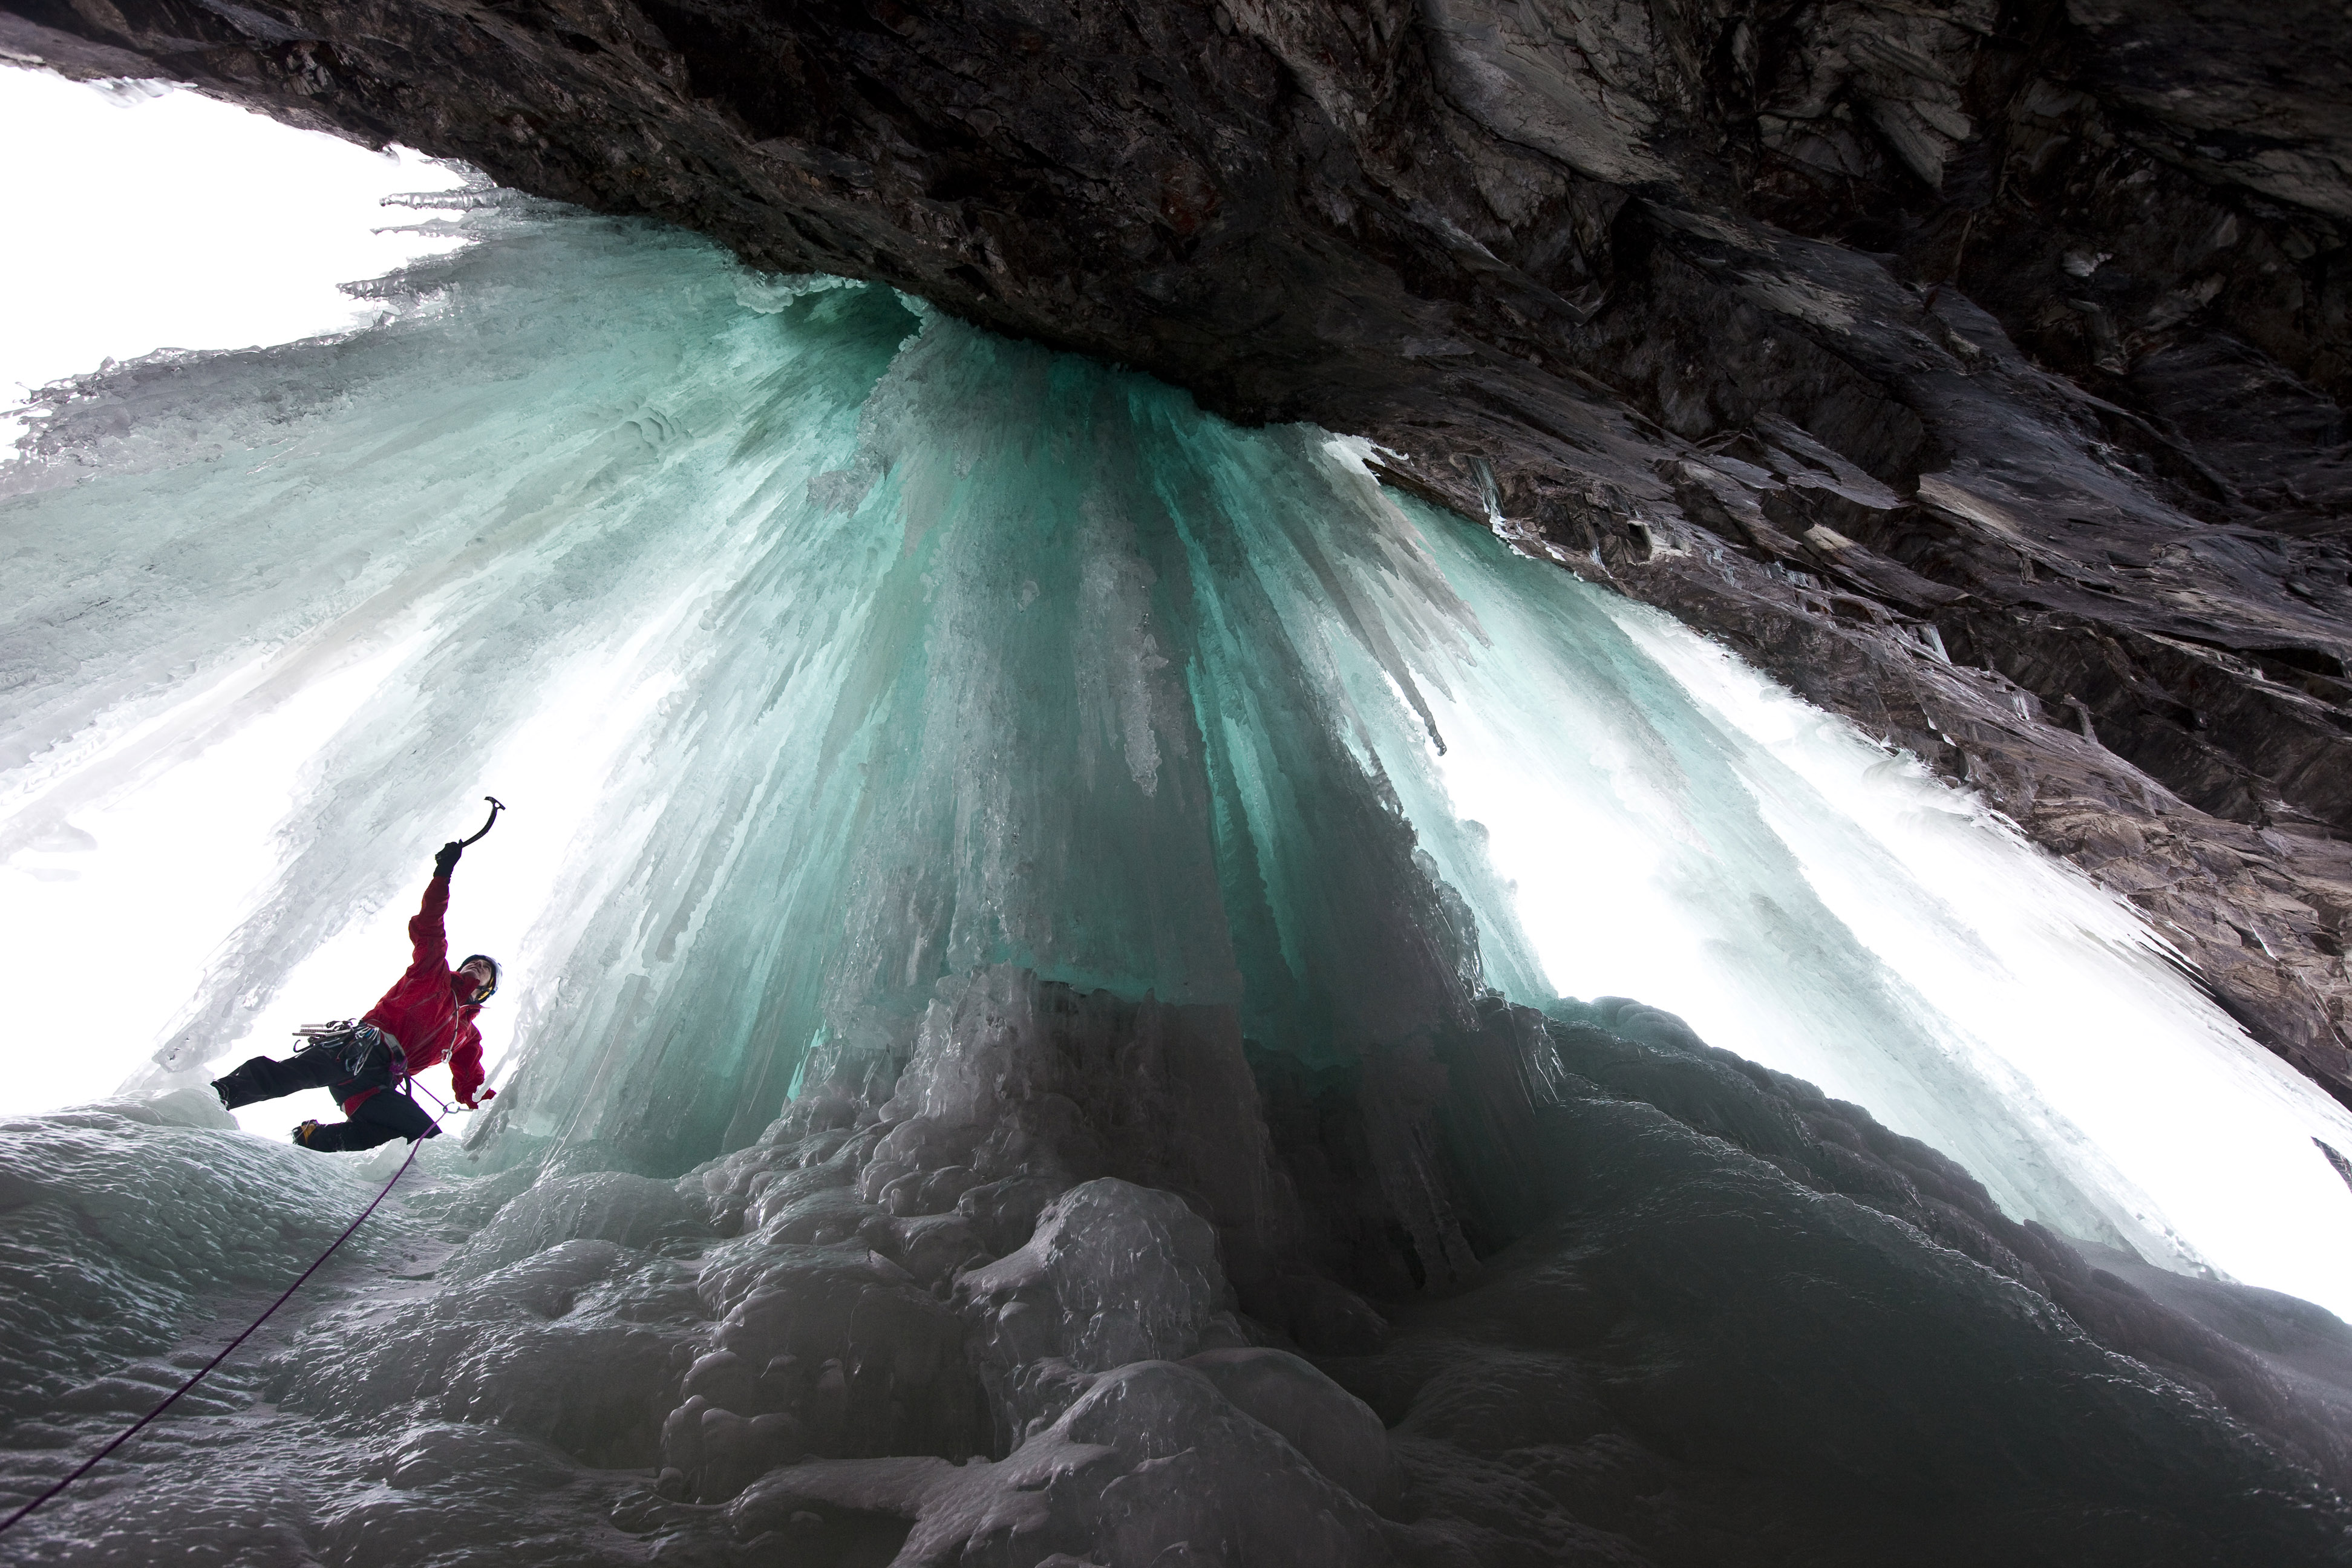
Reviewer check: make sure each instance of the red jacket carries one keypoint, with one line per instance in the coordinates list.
(423, 1010)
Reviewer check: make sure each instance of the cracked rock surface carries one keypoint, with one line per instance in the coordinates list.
(1975, 366)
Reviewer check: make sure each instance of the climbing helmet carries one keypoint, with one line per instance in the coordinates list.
(485, 992)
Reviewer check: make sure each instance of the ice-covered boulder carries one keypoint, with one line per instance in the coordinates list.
(1115, 1273)
(837, 1345)
(816, 1327)
(1337, 1432)
(578, 1345)
(609, 1206)
(1014, 1080)
(1153, 1465)
(1754, 1310)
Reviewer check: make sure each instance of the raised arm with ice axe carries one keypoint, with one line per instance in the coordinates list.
(425, 1019)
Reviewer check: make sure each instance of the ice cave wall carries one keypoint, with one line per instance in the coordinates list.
(891, 650)
(1186, 1159)
(1976, 367)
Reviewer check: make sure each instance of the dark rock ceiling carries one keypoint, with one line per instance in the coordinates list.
(1977, 367)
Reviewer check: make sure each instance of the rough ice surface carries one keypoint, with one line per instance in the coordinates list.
(825, 666)
(1034, 920)
(259, 223)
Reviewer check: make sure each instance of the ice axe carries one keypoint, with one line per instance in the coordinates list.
(496, 805)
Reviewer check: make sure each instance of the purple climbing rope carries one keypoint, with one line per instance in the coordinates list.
(92, 1463)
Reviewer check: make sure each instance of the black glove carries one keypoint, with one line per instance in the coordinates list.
(447, 861)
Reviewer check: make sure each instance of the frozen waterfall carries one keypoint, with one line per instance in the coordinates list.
(829, 648)
(1044, 935)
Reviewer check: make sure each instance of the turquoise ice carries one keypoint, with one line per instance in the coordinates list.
(829, 649)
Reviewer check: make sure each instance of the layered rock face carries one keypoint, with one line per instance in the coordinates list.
(1976, 367)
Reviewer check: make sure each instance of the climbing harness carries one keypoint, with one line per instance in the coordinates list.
(172, 1398)
(353, 1046)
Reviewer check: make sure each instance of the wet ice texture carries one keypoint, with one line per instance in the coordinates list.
(1739, 1310)
(841, 650)
(866, 651)
(1032, 790)
(1729, 1322)
(121, 1218)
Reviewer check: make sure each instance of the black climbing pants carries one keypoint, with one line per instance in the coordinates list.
(381, 1117)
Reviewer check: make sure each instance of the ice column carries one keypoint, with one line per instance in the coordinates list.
(829, 649)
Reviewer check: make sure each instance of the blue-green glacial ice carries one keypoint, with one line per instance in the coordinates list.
(879, 699)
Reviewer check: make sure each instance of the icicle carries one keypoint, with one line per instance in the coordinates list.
(828, 651)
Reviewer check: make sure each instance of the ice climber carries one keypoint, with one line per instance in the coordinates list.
(425, 1019)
